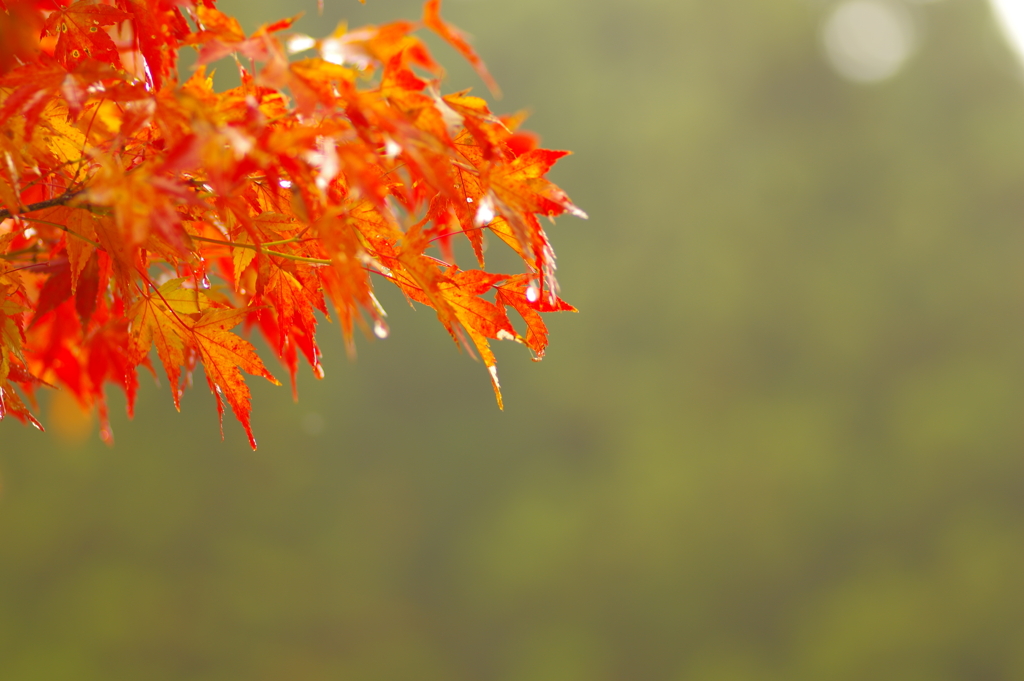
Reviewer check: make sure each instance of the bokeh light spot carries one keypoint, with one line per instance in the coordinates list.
(71, 424)
(868, 40)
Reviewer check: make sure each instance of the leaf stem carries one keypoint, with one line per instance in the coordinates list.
(61, 227)
(259, 249)
(13, 254)
(456, 232)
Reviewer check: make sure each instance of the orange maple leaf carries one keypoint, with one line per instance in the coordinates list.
(222, 353)
(177, 320)
(158, 319)
(522, 294)
(455, 37)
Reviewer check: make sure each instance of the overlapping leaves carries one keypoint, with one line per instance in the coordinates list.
(141, 214)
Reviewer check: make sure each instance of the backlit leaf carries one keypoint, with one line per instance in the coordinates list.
(222, 354)
(80, 32)
(145, 217)
(455, 37)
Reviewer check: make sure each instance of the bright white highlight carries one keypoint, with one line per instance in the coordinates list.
(300, 43)
(485, 212)
(868, 41)
(1010, 17)
(532, 293)
(326, 160)
(391, 148)
(347, 49)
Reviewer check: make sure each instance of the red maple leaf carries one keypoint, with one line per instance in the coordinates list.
(79, 29)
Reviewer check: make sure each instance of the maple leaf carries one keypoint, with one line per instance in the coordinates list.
(158, 27)
(296, 192)
(175, 320)
(157, 320)
(222, 354)
(106, 359)
(480, 318)
(10, 403)
(455, 37)
(19, 34)
(12, 337)
(80, 34)
(522, 294)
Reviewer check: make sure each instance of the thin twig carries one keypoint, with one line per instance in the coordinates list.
(62, 227)
(13, 255)
(299, 258)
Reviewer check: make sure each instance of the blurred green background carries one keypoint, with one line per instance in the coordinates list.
(782, 439)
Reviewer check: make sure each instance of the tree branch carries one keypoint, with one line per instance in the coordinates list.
(61, 200)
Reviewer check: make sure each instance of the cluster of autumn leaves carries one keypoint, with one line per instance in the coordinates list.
(138, 211)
